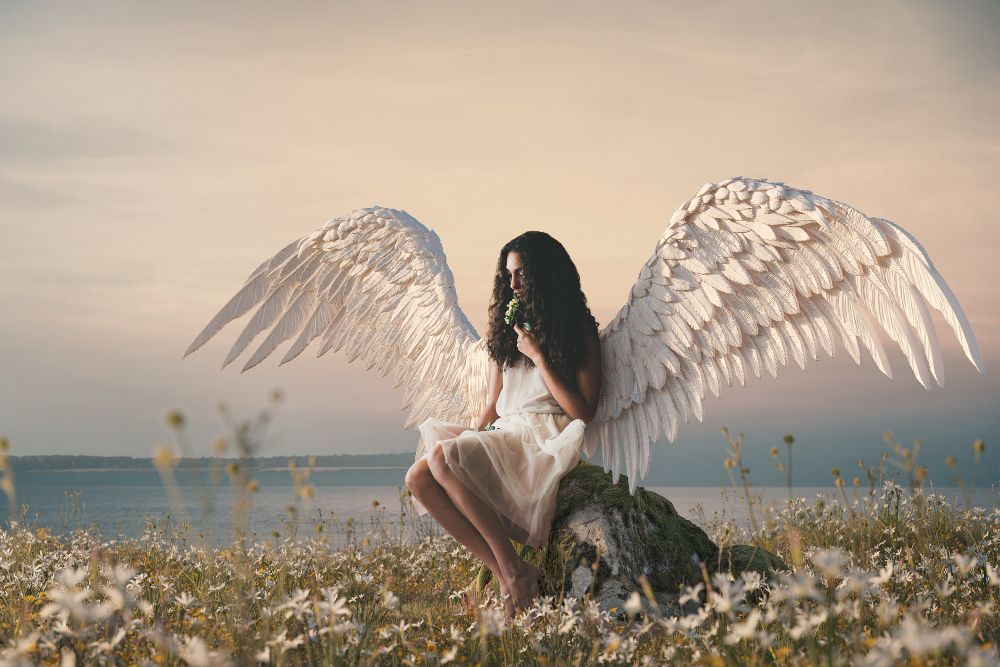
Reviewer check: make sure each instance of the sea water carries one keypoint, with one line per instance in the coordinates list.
(346, 504)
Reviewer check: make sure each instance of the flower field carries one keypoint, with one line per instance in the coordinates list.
(888, 576)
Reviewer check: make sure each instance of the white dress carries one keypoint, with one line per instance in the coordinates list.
(516, 468)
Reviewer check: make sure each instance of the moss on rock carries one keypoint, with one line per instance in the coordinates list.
(740, 557)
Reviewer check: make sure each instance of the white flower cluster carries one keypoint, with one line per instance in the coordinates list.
(514, 315)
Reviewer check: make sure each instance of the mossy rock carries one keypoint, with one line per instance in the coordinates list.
(603, 539)
(740, 557)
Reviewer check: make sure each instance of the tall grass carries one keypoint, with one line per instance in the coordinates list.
(882, 576)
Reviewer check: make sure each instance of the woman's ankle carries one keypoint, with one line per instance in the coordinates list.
(516, 569)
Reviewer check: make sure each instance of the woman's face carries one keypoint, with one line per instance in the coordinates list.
(515, 273)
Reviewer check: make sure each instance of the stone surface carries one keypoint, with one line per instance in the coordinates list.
(604, 538)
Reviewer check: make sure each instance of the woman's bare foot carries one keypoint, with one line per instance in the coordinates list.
(524, 585)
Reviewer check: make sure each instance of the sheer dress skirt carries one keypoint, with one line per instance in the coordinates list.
(514, 469)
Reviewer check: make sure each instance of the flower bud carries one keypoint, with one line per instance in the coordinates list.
(175, 419)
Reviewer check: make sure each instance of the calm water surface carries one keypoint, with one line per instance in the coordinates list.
(117, 502)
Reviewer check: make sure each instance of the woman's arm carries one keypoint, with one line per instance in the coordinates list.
(578, 402)
(494, 384)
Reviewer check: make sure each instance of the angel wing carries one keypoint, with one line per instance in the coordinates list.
(748, 274)
(376, 283)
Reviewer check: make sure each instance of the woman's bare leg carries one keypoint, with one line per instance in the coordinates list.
(432, 495)
(516, 533)
(521, 578)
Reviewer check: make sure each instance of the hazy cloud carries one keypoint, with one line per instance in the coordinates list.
(33, 141)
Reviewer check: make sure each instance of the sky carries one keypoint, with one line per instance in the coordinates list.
(153, 154)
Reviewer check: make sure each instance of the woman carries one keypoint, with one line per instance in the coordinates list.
(486, 487)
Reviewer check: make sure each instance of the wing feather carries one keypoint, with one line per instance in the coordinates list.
(289, 325)
(264, 317)
(318, 321)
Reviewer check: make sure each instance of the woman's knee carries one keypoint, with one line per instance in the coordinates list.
(418, 476)
(436, 460)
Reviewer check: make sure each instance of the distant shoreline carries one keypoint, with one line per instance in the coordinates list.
(321, 463)
(197, 468)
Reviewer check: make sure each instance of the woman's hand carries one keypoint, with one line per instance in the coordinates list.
(528, 345)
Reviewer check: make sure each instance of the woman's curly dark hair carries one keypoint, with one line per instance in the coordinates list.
(551, 302)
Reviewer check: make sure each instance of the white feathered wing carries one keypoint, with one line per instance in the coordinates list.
(747, 274)
(376, 283)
